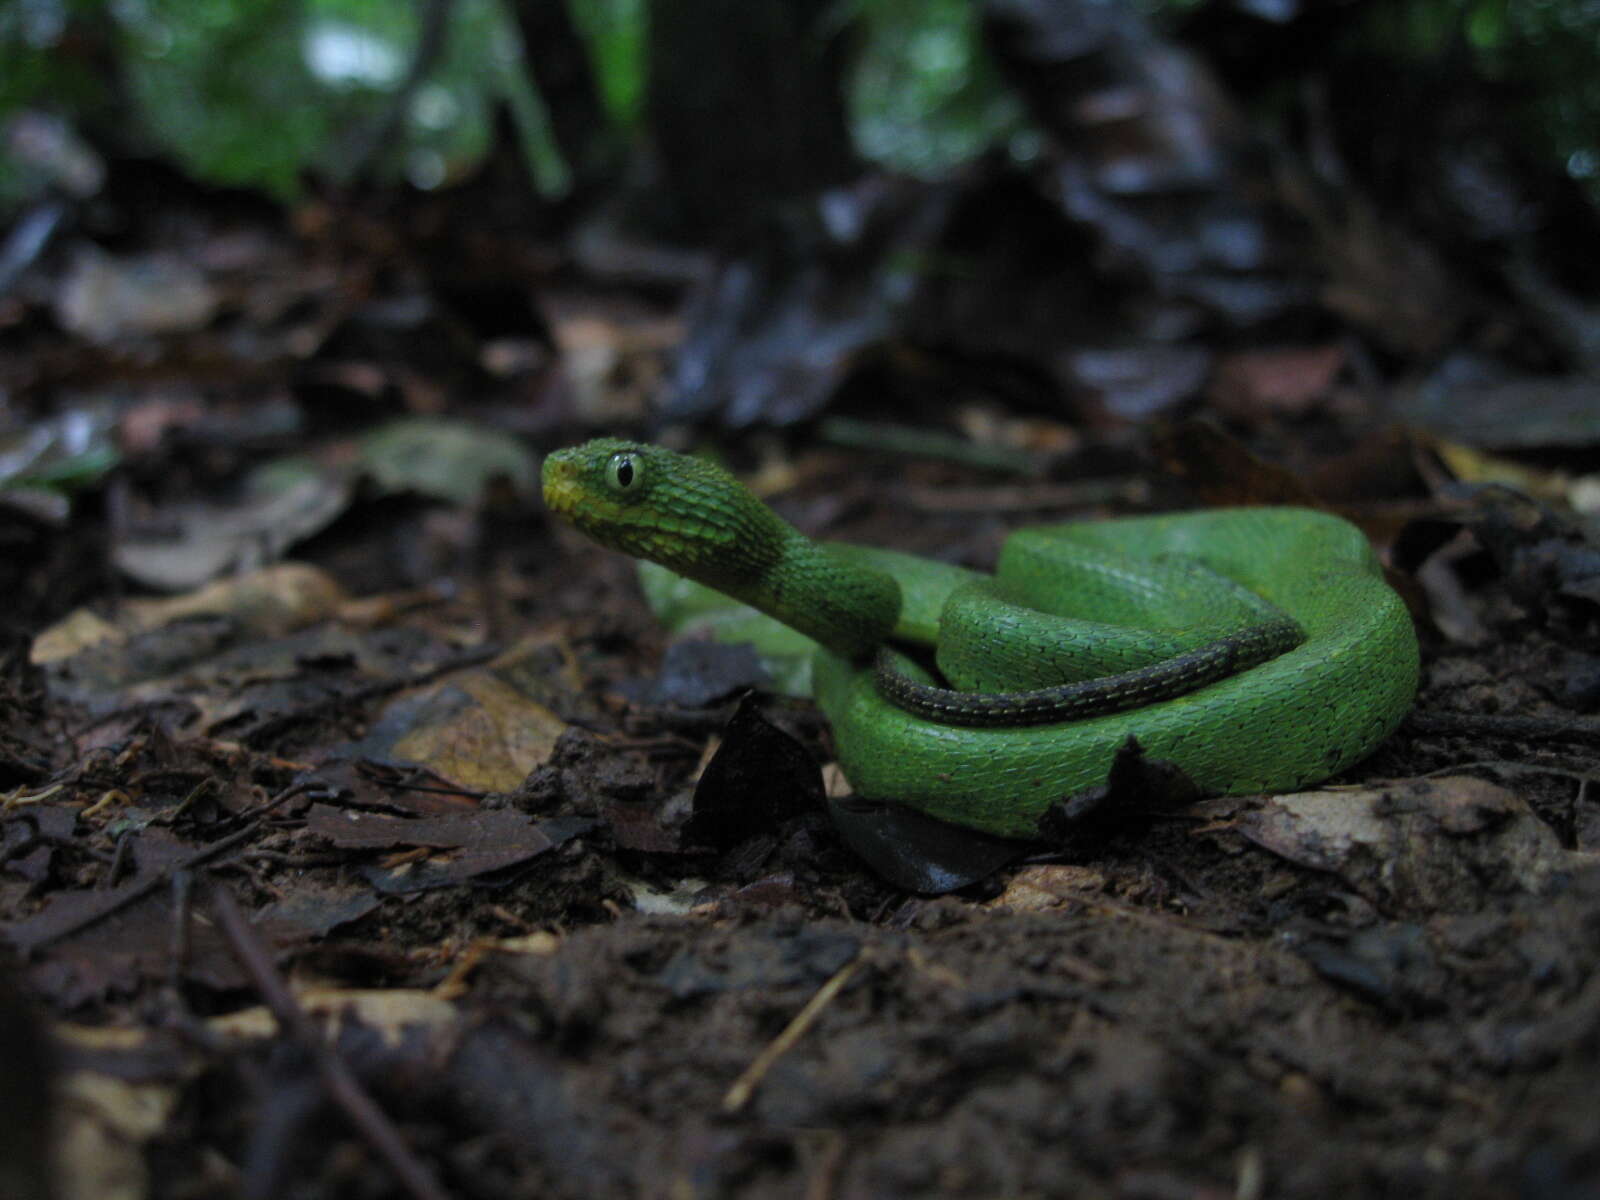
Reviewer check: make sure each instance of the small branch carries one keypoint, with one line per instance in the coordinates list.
(384, 132)
(340, 1082)
(744, 1087)
(1451, 724)
(157, 879)
(282, 722)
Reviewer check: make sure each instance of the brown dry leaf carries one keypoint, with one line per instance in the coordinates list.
(1221, 470)
(1470, 465)
(90, 942)
(102, 1126)
(1289, 381)
(1426, 845)
(271, 602)
(541, 667)
(480, 830)
(208, 540)
(105, 297)
(76, 631)
(1048, 885)
(614, 367)
(489, 743)
(471, 843)
(389, 1011)
(314, 909)
(1379, 473)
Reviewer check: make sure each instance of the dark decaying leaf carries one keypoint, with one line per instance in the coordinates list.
(28, 841)
(1221, 470)
(773, 332)
(1550, 561)
(1423, 846)
(758, 778)
(476, 843)
(314, 909)
(1136, 786)
(980, 271)
(915, 852)
(364, 783)
(92, 942)
(476, 830)
(380, 349)
(639, 825)
(1391, 965)
(1580, 680)
(235, 675)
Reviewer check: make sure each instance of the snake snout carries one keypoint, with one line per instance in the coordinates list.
(558, 479)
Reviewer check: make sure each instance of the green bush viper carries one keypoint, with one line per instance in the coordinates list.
(1258, 648)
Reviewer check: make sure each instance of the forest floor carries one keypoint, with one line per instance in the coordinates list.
(398, 853)
(1388, 989)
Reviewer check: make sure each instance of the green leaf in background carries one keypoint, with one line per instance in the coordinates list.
(925, 96)
(255, 92)
(445, 459)
(64, 453)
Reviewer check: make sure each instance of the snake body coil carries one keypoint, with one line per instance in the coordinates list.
(1261, 646)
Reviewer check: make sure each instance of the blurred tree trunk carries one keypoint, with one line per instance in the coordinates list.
(368, 143)
(559, 62)
(101, 113)
(746, 107)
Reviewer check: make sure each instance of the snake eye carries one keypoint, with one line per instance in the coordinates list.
(624, 472)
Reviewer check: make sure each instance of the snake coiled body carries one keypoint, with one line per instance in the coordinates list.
(1139, 593)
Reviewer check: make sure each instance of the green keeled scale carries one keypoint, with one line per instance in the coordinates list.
(1258, 648)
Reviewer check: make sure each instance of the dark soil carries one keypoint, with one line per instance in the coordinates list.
(1168, 1008)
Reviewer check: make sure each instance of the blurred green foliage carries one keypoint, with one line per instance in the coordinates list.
(259, 91)
(615, 30)
(925, 95)
(205, 75)
(1548, 49)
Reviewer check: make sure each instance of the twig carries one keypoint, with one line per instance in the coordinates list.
(272, 726)
(35, 838)
(380, 134)
(341, 1084)
(182, 929)
(17, 798)
(744, 1087)
(1566, 729)
(158, 878)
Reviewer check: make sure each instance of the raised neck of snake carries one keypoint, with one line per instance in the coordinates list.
(694, 518)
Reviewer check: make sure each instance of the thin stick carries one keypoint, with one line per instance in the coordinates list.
(341, 1084)
(1454, 724)
(272, 726)
(158, 878)
(744, 1087)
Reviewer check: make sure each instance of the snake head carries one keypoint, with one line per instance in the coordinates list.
(674, 509)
